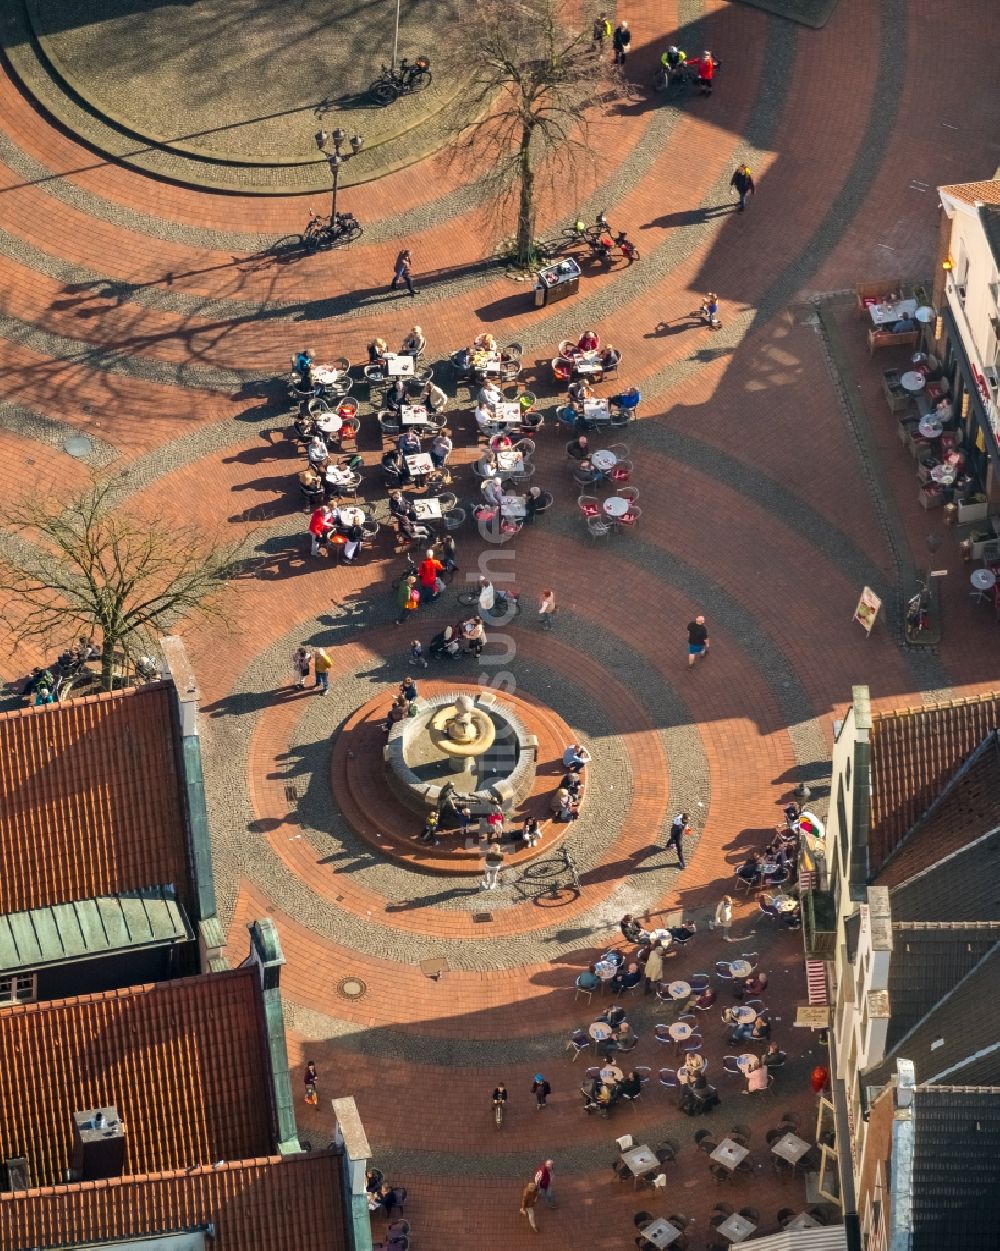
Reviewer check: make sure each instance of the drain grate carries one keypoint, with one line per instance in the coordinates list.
(480, 918)
(351, 987)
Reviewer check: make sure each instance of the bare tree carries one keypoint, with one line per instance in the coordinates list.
(530, 75)
(86, 566)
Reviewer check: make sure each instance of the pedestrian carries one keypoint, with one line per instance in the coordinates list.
(697, 639)
(543, 1180)
(464, 820)
(407, 598)
(653, 970)
(602, 33)
(310, 1077)
(743, 183)
(408, 689)
(724, 917)
(353, 536)
(546, 609)
(449, 554)
(707, 65)
(322, 664)
(301, 660)
(541, 1089)
(675, 838)
(320, 525)
(529, 1197)
(401, 272)
(417, 656)
(621, 40)
(428, 574)
(428, 834)
(494, 863)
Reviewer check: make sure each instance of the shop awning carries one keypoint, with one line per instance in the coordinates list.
(86, 928)
(825, 1238)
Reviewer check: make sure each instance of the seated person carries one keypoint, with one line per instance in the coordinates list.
(627, 978)
(317, 450)
(792, 813)
(578, 392)
(694, 1063)
(493, 492)
(588, 979)
(706, 999)
(303, 366)
(904, 325)
(943, 411)
(409, 442)
(378, 350)
(589, 341)
(624, 1038)
(428, 835)
(586, 474)
(755, 984)
(484, 419)
(394, 466)
(484, 343)
(573, 783)
(774, 1057)
(441, 448)
(631, 930)
(610, 357)
(501, 442)
(531, 832)
(414, 343)
(578, 448)
(489, 396)
(749, 871)
(409, 529)
(396, 396)
(626, 401)
(758, 1030)
(683, 932)
(373, 1180)
(444, 644)
(564, 807)
(399, 506)
(463, 360)
(757, 1078)
(631, 1087)
(311, 481)
(614, 1016)
(575, 758)
(534, 503)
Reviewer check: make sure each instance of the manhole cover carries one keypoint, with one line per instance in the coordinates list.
(78, 445)
(351, 988)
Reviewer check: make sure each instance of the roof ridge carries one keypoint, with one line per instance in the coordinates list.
(891, 714)
(951, 855)
(147, 688)
(946, 925)
(46, 1006)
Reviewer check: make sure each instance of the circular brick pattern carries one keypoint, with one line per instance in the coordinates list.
(351, 988)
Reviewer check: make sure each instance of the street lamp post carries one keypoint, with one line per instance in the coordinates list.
(395, 38)
(336, 158)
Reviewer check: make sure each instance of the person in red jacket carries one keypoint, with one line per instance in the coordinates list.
(320, 525)
(429, 576)
(707, 65)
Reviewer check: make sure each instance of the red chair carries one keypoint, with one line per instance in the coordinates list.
(589, 506)
(562, 369)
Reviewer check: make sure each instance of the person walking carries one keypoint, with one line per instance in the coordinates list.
(675, 838)
(546, 609)
(697, 639)
(543, 1180)
(541, 1089)
(320, 525)
(742, 182)
(529, 1198)
(494, 863)
(707, 65)
(602, 33)
(402, 272)
(322, 664)
(407, 598)
(620, 41)
(301, 661)
(654, 965)
(724, 917)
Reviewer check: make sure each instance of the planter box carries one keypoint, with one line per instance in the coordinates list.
(972, 512)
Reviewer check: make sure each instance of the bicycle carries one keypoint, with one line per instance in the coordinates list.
(393, 83)
(498, 1106)
(320, 234)
(917, 614)
(506, 604)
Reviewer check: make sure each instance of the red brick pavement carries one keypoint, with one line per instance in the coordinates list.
(768, 405)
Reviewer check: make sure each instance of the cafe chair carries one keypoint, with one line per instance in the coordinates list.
(641, 1219)
(643, 1072)
(582, 990)
(562, 369)
(578, 1043)
(730, 1065)
(667, 1151)
(509, 529)
(594, 1071)
(722, 970)
(704, 1142)
(454, 519)
(622, 471)
(398, 1199)
(447, 500)
(784, 1216)
(629, 493)
(568, 350)
(662, 1036)
(631, 517)
(589, 505)
(669, 1079)
(751, 1215)
(625, 1143)
(525, 446)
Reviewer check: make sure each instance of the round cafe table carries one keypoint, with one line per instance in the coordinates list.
(605, 969)
(680, 1031)
(913, 381)
(352, 516)
(787, 904)
(740, 968)
(616, 506)
(945, 474)
(983, 579)
(744, 1015)
(930, 428)
(678, 990)
(604, 460)
(747, 1063)
(611, 1073)
(599, 1031)
(329, 423)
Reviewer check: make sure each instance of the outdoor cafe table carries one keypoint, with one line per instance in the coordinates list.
(744, 1014)
(616, 506)
(790, 1148)
(930, 427)
(599, 1031)
(738, 968)
(414, 415)
(428, 509)
(329, 423)
(729, 1153)
(803, 1221)
(325, 375)
(510, 462)
(399, 366)
(640, 1160)
(736, 1228)
(678, 990)
(486, 362)
(611, 1073)
(513, 506)
(680, 1031)
(596, 410)
(510, 414)
(587, 364)
(605, 969)
(746, 1062)
(351, 516)
(604, 460)
(661, 1233)
(945, 474)
(419, 464)
(884, 314)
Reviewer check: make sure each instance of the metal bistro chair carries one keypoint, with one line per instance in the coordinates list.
(579, 1041)
(598, 529)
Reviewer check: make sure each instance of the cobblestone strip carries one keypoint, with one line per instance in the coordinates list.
(53, 433)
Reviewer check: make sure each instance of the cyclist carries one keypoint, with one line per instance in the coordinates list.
(499, 1099)
(673, 61)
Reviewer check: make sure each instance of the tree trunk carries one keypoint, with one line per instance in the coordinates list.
(526, 201)
(107, 665)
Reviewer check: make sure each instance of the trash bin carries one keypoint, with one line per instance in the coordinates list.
(556, 282)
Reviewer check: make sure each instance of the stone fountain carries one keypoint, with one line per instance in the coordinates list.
(473, 741)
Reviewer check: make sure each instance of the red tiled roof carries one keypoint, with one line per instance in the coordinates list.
(272, 1204)
(986, 192)
(90, 799)
(915, 753)
(969, 807)
(184, 1062)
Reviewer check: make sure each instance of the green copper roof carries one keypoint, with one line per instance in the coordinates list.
(91, 927)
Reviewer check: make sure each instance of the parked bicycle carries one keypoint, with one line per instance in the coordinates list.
(321, 234)
(918, 616)
(506, 604)
(409, 76)
(499, 1103)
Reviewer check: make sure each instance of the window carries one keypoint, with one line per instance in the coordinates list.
(845, 842)
(18, 988)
